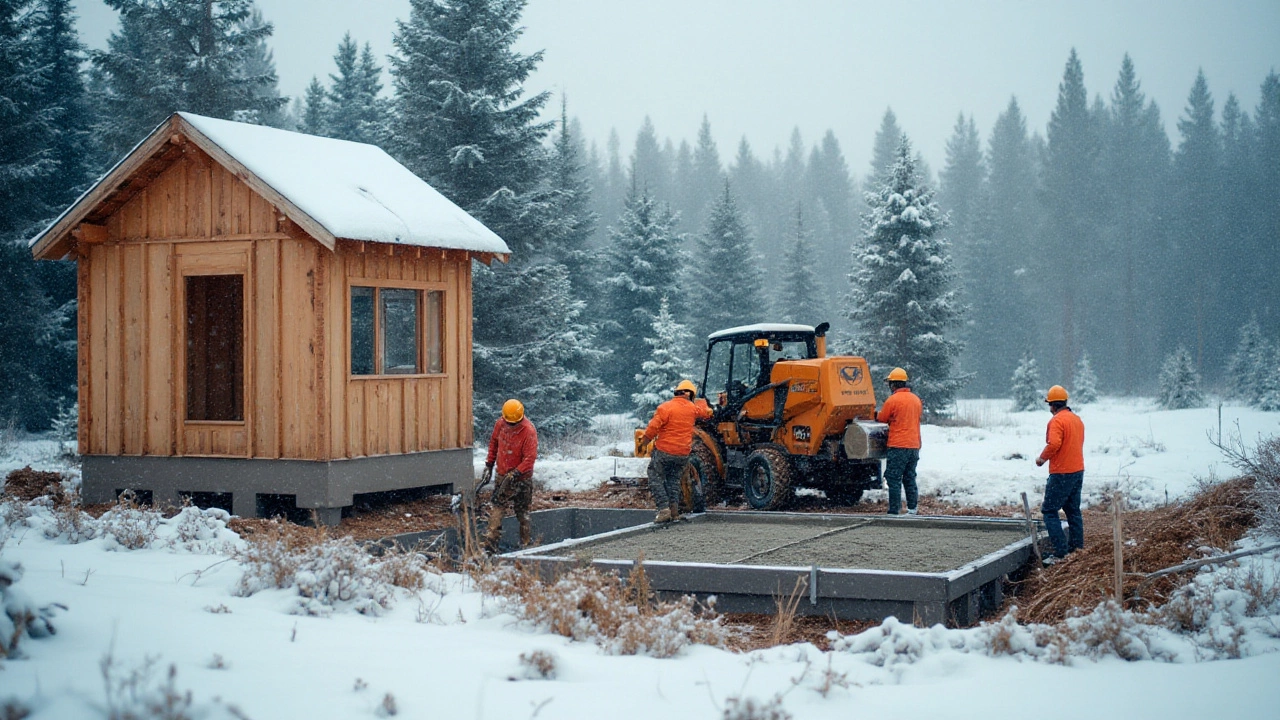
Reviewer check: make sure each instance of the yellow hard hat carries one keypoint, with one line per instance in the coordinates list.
(687, 386)
(897, 375)
(513, 411)
(1057, 393)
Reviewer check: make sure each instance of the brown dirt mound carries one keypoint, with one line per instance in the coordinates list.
(1216, 517)
(27, 484)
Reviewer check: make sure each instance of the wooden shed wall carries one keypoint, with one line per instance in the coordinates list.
(300, 402)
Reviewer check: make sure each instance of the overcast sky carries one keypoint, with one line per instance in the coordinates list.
(759, 68)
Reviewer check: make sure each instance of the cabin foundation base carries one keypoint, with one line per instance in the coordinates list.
(325, 486)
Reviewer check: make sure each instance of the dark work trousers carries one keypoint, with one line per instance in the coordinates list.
(664, 477)
(900, 471)
(1062, 492)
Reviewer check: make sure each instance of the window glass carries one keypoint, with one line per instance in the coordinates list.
(399, 316)
(362, 331)
(215, 347)
(746, 368)
(435, 331)
(717, 370)
(788, 350)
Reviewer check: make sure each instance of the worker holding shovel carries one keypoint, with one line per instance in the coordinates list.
(513, 447)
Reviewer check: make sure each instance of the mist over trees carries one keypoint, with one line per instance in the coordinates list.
(1098, 244)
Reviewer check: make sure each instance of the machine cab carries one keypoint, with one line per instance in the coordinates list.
(740, 360)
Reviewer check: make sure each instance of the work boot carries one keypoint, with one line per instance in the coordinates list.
(663, 516)
(911, 511)
(675, 512)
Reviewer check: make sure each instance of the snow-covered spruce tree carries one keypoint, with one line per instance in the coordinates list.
(667, 364)
(1250, 364)
(726, 284)
(170, 55)
(641, 266)
(801, 295)
(1084, 384)
(314, 118)
(354, 110)
(260, 61)
(547, 355)
(903, 303)
(1268, 385)
(1026, 390)
(1179, 382)
(464, 126)
(572, 197)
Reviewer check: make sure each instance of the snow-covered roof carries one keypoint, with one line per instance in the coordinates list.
(761, 328)
(334, 189)
(356, 191)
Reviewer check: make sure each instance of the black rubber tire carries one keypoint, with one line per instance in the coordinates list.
(703, 462)
(691, 492)
(769, 484)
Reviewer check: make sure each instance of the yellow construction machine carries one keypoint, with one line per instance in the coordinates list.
(787, 416)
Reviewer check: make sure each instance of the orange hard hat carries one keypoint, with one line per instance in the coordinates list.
(897, 375)
(687, 386)
(1057, 393)
(513, 411)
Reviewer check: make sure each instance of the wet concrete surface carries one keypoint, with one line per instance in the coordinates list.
(881, 544)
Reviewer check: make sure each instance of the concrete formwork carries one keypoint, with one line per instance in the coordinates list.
(736, 564)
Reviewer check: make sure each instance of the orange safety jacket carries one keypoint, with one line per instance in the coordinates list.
(673, 423)
(1065, 438)
(902, 412)
(513, 446)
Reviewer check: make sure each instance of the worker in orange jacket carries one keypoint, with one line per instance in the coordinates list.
(901, 411)
(513, 447)
(671, 432)
(1064, 451)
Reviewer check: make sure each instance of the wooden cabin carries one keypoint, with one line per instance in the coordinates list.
(265, 314)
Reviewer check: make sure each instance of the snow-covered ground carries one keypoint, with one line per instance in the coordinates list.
(447, 652)
(1149, 453)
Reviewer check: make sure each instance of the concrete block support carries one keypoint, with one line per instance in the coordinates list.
(321, 485)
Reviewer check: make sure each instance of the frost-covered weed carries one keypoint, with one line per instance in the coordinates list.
(128, 526)
(134, 692)
(198, 531)
(21, 617)
(587, 605)
(739, 708)
(327, 573)
(1223, 613)
(538, 665)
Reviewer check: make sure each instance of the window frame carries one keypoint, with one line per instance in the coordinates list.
(422, 289)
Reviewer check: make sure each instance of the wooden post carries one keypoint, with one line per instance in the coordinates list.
(1117, 539)
(1031, 529)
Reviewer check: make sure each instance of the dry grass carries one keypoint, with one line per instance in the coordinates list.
(26, 484)
(1216, 517)
(784, 616)
(621, 616)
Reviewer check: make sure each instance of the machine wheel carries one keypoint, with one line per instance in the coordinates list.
(703, 463)
(769, 480)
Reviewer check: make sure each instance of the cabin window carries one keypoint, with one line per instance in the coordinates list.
(396, 331)
(215, 347)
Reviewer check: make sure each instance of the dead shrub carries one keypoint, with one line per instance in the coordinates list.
(738, 708)
(538, 665)
(133, 693)
(588, 605)
(1262, 463)
(70, 521)
(128, 526)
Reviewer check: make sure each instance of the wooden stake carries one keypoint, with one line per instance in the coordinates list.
(1117, 539)
(1031, 529)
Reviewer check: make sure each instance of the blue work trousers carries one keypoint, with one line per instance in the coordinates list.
(1062, 492)
(900, 471)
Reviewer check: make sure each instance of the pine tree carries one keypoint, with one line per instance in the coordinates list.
(649, 167)
(1249, 366)
(60, 92)
(832, 187)
(354, 110)
(962, 177)
(728, 288)
(801, 293)
(708, 175)
(577, 221)
(1269, 384)
(171, 55)
(315, 111)
(902, 303)
(667, 364)
(466, 128)
(1197, 168)
(1070, 186)
(260, 62)
(641, 266)
(1179, 382)
(884, 151)
(1084, 387)
(1026, 390)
